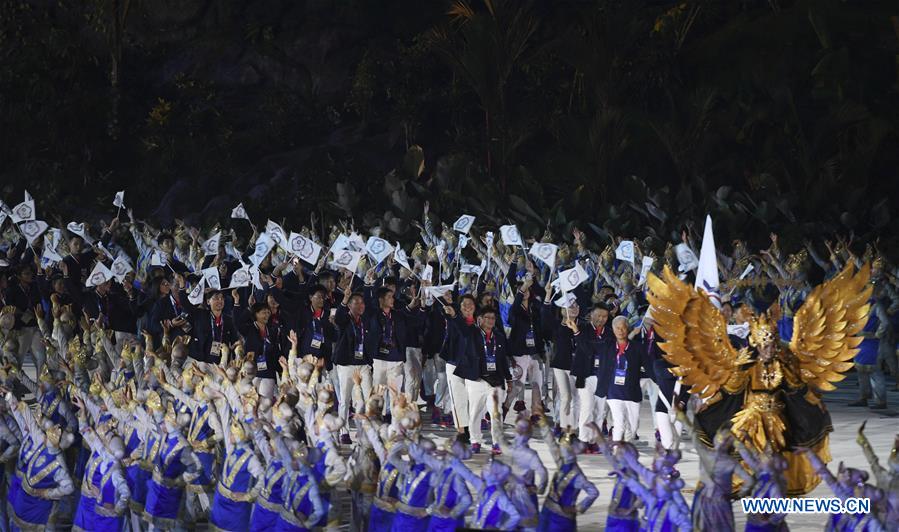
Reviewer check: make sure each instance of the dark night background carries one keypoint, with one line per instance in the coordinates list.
(773, 115)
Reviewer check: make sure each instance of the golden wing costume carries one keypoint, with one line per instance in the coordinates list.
(768, 391)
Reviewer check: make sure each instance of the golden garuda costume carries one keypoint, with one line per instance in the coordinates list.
(769, 392)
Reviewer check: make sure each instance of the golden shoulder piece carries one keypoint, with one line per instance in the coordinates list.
(46, 376)
(154, 402)
(54, 434)
(237, 430)
(170, 416)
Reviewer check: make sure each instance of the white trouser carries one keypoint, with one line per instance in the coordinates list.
(30, 342)
(389, 374)
(651, 391)
(458, 397)
(412, 370)
(592, 408)
(344, 389)
(532, 373)
(433, 381)
(481, 401)
(625, 416)
(564, 384)
(669, 433)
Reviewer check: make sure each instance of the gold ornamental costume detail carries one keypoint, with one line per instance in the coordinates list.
(768, 392)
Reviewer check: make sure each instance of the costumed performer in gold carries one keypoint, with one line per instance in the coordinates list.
(770, 392)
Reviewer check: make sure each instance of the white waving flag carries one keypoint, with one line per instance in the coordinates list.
(511, 236)
(464, 223)
(33, 229)
(276, 233)
(23, 212)
(707, 273)
(686, 258)
(477, 269)
(240, 278)
(545, 252)
(438, 291)
(378, 249)
(570, 279)
(399, 255)
(625, 251)
(99, 275)
(644, 270)
(211, 246)
(348, 260)
(81, 230)
(239, 213)
(341, 243)
(119, 200)
(211, 276)
(120, 267)
(263, 245)
(304, 248)
(196, 294)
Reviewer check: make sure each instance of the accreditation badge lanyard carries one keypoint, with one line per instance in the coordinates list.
(489, 350)
(317, 331)
(359, 331)
(261, 360)
(217, 326)
(598, 353)
(621, 370)
(386, 334)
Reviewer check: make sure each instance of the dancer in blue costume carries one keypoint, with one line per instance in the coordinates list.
(712, 507)
(526, 466)
(624, 507)
(45, 477)
(795, 287)
(328, 467)
(363, 465)
(495, 509)
(272, 484)
(561, 507)
(887, 477)
(204, 432)
(666, 509)
(768, 468)
(239, 479)
(141, 446)
(451, 495)
(303, 506)
(104, 491)
(174, 466)
(10, 440)
(851, 483)
(389, 478)
(416, 492)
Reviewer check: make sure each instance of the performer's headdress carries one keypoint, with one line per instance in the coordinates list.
(762, 331)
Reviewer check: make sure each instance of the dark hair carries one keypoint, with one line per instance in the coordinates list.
(468, 296)
(258, 307)
(390, 279)
(163, 237)
(486, 310)
(209, 295)
(600, 306)
(316, 288)
(383, 291)
(327, 274)
(357, 294)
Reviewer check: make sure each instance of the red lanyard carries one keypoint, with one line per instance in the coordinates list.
(621, 350)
